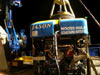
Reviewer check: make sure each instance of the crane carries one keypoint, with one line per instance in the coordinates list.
(9, 26)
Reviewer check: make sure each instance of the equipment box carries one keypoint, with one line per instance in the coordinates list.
(73, 26)
(43, 28)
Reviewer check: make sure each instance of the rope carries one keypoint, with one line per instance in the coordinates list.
(90, 13)
(56, 49)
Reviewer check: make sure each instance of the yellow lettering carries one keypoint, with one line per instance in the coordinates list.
(79, 27)
(67, 28)
(33, 27)
(41, 26)
(36, 26)
(49, 25)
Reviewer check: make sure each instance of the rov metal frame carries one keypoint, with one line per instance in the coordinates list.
(62, 3)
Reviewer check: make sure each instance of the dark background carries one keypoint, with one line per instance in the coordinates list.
(36, 10)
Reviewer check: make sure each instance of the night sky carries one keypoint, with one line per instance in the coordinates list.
(36, 10)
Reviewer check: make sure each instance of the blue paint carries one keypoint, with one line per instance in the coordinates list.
(73, 27)
(42, 29)
(94, 51)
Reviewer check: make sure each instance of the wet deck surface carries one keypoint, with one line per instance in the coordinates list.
(28, 70)
(96, 61)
